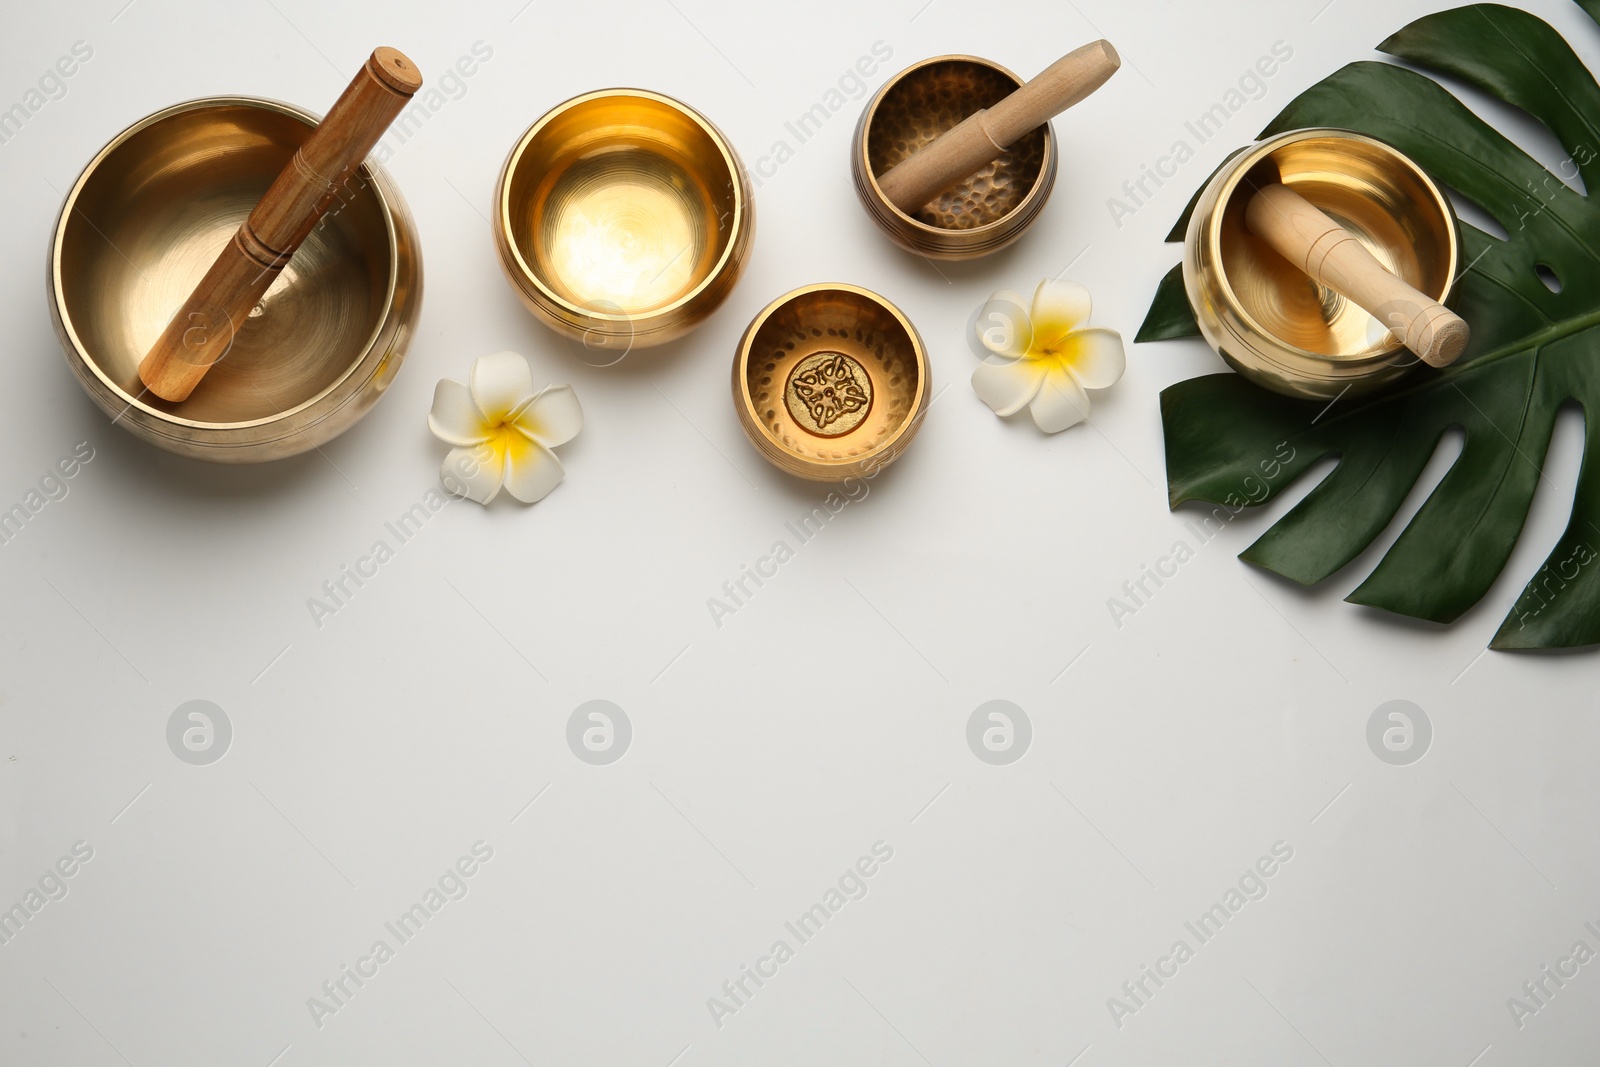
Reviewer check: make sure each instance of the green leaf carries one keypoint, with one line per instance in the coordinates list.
(1181, 227)
(1532, 351)
(1170, 315)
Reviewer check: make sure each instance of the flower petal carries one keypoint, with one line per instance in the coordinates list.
(1061, 402)
(551, 418)
(1095, 357)
(455, 418)
(1003, 325)
(1007, 385)
(1058, 309)
(500, 383)
(474, 472)
(532, 470)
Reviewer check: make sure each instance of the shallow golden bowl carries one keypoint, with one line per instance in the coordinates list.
(830, 380)
(144, 221)
(1270, 321)
(982, 214)
(623, 219)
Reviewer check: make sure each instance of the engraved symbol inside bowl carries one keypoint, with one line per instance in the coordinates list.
(829, 394)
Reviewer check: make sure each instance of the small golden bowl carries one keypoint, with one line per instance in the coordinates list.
(984, 213)
(830, 380)
(144, 221)
(623, 218)
(1270, 321)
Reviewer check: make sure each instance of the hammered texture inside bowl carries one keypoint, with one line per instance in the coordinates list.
(830, 379)
(936, 98)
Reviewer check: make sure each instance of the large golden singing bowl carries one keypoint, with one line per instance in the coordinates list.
(144, 221)
(1269, 320)
(982, 214)
(623, 219)
(830, 381)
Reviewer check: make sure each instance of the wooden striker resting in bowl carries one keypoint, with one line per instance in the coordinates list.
(204, 329)
(1302, 291)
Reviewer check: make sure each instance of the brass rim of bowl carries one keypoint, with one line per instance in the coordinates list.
(889, 444)
(735, 172)
(1242, 166)
(70, 204)
(1041, 184)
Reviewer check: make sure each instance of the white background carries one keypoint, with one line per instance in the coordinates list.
(827, 714)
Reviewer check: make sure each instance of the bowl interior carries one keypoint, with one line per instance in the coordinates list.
(154, 213)
(621, 203)
(832, 375)
(1373, 192)
(930, 99)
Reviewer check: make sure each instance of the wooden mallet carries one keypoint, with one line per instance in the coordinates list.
(204, 328)
(1333, 256)
(960, 151)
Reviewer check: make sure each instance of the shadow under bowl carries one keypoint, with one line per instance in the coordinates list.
(145, 220)
(830, 381)
(623, 218)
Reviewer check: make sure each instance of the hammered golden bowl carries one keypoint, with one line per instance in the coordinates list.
(982, 214)
(1269, 320)
(830, 381)
(144, 221)
(623, 219)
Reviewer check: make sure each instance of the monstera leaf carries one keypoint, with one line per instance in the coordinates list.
(1533, 349)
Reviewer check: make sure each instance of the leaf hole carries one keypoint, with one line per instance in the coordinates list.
(1552, 281)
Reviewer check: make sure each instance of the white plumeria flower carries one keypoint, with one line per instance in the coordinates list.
(502, 431)
(1043, 356)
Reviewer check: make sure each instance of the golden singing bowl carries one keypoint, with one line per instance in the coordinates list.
(982, 214)
(144, 221)
(830, 380)
(623, 218)
(1269, 320)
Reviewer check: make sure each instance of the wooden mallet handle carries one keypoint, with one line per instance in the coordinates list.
(959, 152)
(204, 328)
(1332, 256)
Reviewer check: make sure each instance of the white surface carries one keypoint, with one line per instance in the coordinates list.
(829, 713)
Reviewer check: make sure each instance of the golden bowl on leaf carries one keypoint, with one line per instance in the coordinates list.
(1268, 319)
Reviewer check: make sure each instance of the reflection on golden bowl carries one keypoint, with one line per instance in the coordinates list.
(624, 218)
(830, 380)
(982, 214)
(144, 221)
(1270, 321)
